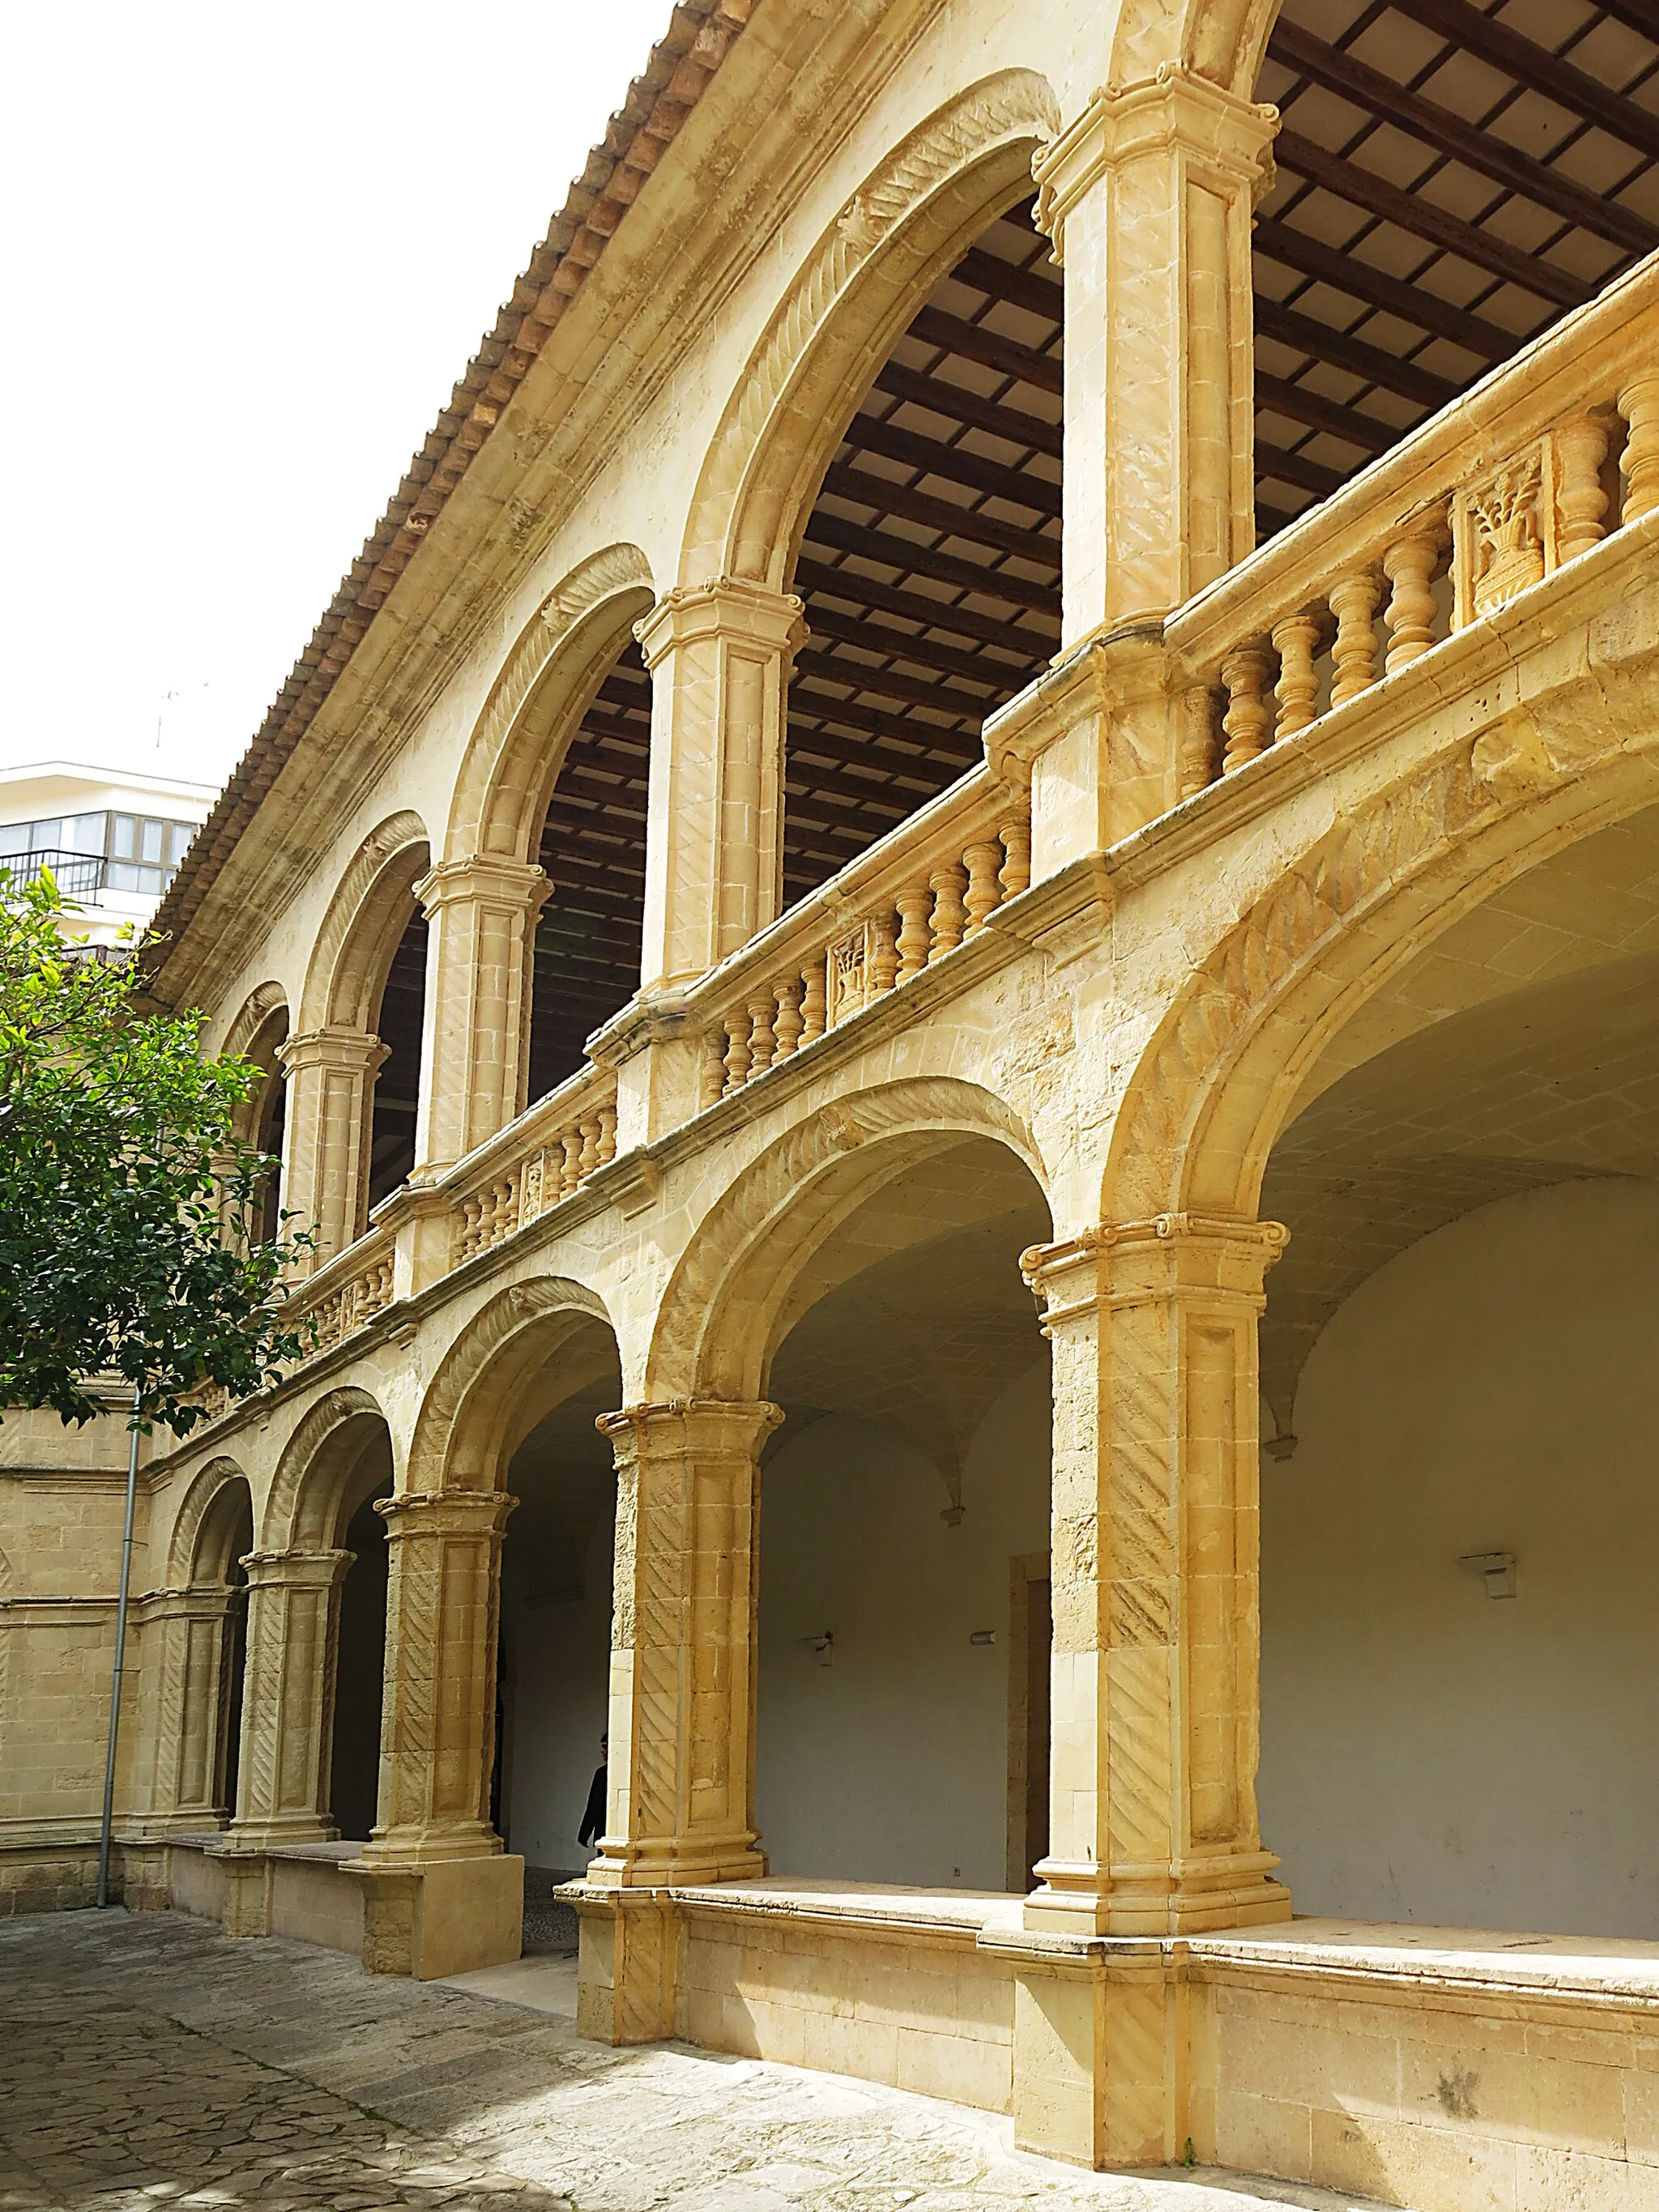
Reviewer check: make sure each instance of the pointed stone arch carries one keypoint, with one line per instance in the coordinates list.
(517, 746)
(718, 1315)
(898, 234)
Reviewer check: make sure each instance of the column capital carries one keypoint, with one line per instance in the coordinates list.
(724, 606)
(295, 1570)
(1228, 137)
(711, 1423)
(358, 1050)
(489, 876)
(1124, 1262)
(445, 1513)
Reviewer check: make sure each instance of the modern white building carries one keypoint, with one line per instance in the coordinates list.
(111, 838)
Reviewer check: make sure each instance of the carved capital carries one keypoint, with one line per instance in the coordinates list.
(726, 607)
(485, 879)
(1128, 1262)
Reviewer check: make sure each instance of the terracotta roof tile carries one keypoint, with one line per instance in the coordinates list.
(682, 65)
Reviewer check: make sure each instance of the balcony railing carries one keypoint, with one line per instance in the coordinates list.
(1543, 459)
(543, 1157)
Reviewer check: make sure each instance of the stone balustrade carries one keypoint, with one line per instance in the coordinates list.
(543, 1157)
(1553, 452)
(340, 1299)
(900, 907)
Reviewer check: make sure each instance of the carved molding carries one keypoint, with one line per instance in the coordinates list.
(341, 960)
(291, 1515)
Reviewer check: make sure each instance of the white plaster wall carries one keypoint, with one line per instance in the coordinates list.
(560, 1658)
(1429, 1753)
(892, 1764)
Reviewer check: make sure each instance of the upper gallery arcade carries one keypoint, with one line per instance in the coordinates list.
(980, 828)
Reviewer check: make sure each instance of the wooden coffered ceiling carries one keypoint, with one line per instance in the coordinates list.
(1451, 177)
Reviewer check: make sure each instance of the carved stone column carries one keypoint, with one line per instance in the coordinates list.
(288, 1697)
(438, 1727)
(331, 1077)
(719, 657)
(194, 1632)
(1156, 1698)
(475, 1052)
(682, 1758)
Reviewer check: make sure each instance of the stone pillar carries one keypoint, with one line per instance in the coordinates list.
(1147, 198)
(682, 1758)
(1155, 1695)
(288, 1697)
(438, 1726)
(194, 1631)
(719, 657)
(331, 1100)
(475, 1052)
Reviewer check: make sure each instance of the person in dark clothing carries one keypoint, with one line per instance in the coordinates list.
(592, 1826)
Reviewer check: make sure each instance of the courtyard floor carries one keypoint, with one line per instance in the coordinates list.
(149, 2061)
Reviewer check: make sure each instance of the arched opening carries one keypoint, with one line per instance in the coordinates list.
(399, 1024)
(268, 1119)
(360, 1660)
(903, 1646)
(1450, 180)
(1460, 1541)
(215, 1644)
(591, 849)
(930, 560)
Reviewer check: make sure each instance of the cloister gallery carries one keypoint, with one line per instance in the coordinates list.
(957, 932)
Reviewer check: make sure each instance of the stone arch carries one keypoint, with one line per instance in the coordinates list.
(718, 1315)
(481, 1401)
(365, 919)
(1221, 40)
(546, 682)
(312, 1493)
(896, 236)
(259, 1028)
(1216, 1082)
(256, 1015)
(199, 1548)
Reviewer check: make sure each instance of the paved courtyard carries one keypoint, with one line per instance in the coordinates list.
(149, 2061)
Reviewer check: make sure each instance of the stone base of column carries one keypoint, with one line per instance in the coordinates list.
(1196, 1900)
(655, 1865)
(289, 1828)
(411, 1845)
(441, 1917)
(627, 1985)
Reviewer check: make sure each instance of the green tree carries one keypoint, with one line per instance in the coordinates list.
(129, 1206)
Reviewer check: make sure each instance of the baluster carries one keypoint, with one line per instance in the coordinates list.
(762, 1011)
(1409, 565)
(949, 914)
(881, 954)
(571, 1174)
(814, 1003)
(1296, 641)
(1198, 746)
(1016, 837)
(736, 1049)
(1354, 600)
(1639, 403)
(589, 1158)
(787, 1027)
(607, 1135)
(981, 861)
(711, 1074)
(913, 905)
(1581, 499)
(1244, 672)
(472, 1213)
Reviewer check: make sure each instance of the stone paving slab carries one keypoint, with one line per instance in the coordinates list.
(148, 2063)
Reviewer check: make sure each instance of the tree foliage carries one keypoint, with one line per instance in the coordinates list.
(128, 1205)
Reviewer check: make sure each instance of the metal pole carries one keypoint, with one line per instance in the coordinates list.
(120, 1652)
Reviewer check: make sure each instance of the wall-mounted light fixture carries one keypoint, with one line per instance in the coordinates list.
(1495, 1569)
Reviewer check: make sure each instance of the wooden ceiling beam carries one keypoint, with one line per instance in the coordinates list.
(1341, 351)
(912, 559)
(957, 404)
(1436, 126)
(1001, 680)
(858, 486)
(864, 760)
(953, 463)
(907, 736)
(1421, 218)
(942, 698)
(1641, 15)
(1279, 466)
(1022, 288)
(915, 606)
(1298, 404)
(1557, 79)
(951, 334)
(1309, 256)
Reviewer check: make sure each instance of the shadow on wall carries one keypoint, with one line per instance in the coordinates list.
(1430, 1753)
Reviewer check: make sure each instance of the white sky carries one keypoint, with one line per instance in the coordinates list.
(247, 252)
